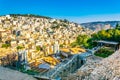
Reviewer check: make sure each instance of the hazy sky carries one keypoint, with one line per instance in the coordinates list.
(73, 10)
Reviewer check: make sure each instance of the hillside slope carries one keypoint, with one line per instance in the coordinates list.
(106, 69)
(100, 24)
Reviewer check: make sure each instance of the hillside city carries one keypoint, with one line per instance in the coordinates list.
(29, 40)
(34, 47)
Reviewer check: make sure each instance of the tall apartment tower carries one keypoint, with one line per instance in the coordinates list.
(22, 57)
(56, 47)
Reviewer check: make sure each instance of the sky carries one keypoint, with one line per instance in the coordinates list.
(79, 11)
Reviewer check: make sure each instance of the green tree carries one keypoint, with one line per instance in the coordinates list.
(82, 40)
(5, 45)
(110, 35)
(74, 44)
(117, 26)
(116, 35)
(38, 48)
(20, 47)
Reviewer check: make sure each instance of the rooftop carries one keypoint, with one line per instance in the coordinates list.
(108, 42)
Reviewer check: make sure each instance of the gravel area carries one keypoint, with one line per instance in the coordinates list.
(8, 74)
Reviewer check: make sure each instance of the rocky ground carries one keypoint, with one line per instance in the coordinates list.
(99, 69)
(8, 74)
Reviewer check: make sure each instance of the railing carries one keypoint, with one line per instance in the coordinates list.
(53, 73)
(60, 67)
(64, 66)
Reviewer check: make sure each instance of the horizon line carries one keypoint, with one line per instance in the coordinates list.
(80, 19)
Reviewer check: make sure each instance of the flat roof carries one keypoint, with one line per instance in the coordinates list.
(108, 42)
(44, 66)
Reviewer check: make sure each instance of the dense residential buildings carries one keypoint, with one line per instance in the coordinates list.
(30, 39)
(43, 47)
